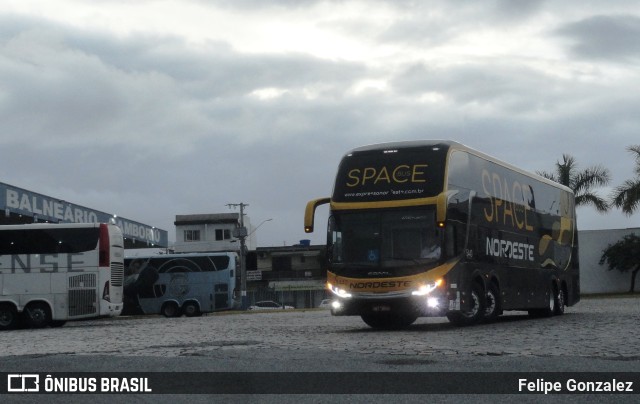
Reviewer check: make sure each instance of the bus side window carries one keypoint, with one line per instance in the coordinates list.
(159, 290)
(334, 242)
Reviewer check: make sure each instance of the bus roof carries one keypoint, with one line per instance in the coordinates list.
(452, 145)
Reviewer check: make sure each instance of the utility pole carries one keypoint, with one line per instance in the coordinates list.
(241, 233)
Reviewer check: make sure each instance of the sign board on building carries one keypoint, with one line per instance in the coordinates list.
(289, 286)
(254, 275)
(45, 208)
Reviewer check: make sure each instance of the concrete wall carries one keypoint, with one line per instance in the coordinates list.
(596, 278)
(207, 225)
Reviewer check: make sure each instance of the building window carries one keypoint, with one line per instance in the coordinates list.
(192, 235)
(281, 263)
(223, 234)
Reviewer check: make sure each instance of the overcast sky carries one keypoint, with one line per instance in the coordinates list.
(149, 109)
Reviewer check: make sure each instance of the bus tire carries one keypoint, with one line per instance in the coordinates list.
(492, 303)
(37, 315)
(389, 321)
(8, 316)
(550, 307)
(170, 309)
(191, 309)
(475, 314)
(559, 302)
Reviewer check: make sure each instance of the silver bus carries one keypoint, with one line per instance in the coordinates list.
(177, 284)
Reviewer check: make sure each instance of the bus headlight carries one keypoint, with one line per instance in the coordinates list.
(425, 289)
(338, 292)
(433, 302)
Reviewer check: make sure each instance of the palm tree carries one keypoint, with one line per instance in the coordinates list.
(581, 182)
(627, 195)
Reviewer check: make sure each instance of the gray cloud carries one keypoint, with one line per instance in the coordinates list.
(148, 126)
(604, 37)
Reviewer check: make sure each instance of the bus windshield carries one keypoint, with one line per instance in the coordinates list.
(390, 238)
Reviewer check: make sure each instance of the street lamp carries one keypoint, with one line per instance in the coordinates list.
(261, 223)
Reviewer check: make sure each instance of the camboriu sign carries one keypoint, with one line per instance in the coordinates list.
(20, 201)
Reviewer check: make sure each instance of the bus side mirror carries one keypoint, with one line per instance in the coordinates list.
(310, 211)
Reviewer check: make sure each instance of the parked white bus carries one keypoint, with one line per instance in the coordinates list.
(51, 273)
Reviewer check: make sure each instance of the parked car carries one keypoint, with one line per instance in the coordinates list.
(269, 305)
(325, 304)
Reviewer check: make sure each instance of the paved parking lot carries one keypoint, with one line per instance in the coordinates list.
(603, 328)
(597, 335)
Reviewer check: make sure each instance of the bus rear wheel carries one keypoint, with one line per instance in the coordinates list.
(492, 304)
(8, 316)
(551, 307)
(559, 302)
(191, 309)
(389, 321)
(171, 309)
(37, 315)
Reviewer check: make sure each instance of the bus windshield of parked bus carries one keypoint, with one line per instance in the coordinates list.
(386, 238)
(49, 240)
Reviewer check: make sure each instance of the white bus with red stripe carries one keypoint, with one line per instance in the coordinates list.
(53, 273)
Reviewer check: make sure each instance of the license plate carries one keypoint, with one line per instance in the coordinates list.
(381, 308)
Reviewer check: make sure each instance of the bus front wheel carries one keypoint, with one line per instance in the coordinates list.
(37, 315)
(8, 316)
(475, 313)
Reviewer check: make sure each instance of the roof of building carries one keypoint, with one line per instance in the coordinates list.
(209, 218)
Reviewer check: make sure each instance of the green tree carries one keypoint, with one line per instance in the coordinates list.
(624, 256)
(627, 195)
(581, 182)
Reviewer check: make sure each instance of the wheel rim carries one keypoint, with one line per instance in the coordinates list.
(476, 304)
(170, 310)
(6, 318)
(561, 302)
(37, 314)
(491, 303)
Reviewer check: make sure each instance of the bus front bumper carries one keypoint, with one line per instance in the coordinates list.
(114, 309)
(434, 305)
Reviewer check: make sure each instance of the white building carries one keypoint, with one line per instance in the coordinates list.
(211, 232)
(595, 277)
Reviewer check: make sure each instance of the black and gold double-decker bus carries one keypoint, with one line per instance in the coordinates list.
(434, 228)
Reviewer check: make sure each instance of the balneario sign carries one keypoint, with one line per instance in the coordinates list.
(20, 201)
